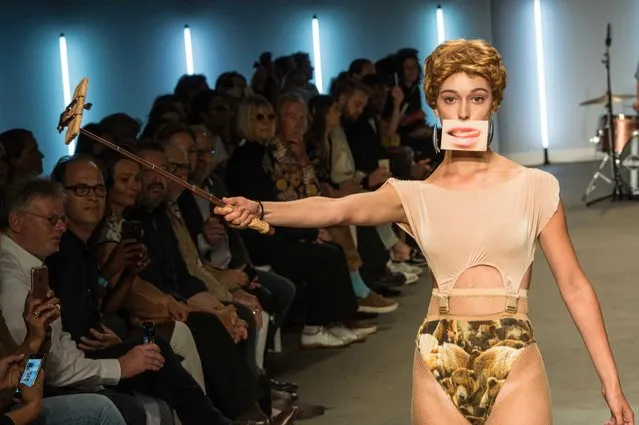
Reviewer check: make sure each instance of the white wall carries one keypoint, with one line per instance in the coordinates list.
(574, 34)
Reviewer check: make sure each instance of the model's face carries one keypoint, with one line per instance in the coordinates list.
(464, 97)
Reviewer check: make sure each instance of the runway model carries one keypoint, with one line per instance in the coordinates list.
(477, 219)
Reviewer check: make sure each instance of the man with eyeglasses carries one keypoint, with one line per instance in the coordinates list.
(33, 226)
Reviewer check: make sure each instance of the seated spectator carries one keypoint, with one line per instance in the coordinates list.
(187, 87)
(209, 109)
(86, 145)
(298, 254)
(360, 68)
(4, 166)
(223, 248)
(228, 379)
(120, 128)
(33, 408)
(293, 164)
(23, 154)
(33, 223)
(74, 270)
(168, 269)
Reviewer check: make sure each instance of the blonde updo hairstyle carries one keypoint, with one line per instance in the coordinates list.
(473, 57)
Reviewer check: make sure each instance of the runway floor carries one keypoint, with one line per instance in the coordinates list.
(370, 383)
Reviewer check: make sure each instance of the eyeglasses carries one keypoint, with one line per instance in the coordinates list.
(83, 190)
(174, 167)
(262, 117)
(205, 152)
(52, 219)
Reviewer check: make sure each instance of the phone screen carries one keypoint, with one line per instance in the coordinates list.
(30, 372)
(148, 329)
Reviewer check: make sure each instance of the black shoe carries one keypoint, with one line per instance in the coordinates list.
(289, 387)
(309, 411)
(388, 292)
(390, 280)
(416, 258)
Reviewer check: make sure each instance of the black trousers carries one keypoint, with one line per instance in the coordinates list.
(230, 382)
(172, 384)
(373, 253)
(323, 268)
(249, 345)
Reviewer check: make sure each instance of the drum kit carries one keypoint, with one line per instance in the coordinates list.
(625, 146)
(618, 138)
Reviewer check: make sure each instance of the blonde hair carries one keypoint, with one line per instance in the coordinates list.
(474, 57)
(245, 113)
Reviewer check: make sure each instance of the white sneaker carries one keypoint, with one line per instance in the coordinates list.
(321, 338)
(364, 331)
(346, 334)
(404, 268)
(410, 278)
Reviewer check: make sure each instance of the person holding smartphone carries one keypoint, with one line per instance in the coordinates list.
(29, 406)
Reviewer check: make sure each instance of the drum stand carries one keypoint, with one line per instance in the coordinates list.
(619, 187)
(598, 175)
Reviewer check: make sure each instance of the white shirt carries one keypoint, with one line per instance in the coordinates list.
(66, 364)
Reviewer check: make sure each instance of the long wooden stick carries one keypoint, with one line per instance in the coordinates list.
(71, 119)
(256, 224)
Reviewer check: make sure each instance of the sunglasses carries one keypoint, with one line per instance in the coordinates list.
(262, 117)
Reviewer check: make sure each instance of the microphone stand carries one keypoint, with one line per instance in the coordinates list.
(619, 187)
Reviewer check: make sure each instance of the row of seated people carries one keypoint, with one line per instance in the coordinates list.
(329, 262)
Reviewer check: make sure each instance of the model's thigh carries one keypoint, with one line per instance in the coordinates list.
(430, 404)
(524, 398)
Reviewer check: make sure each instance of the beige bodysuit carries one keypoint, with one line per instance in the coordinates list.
(476, 360)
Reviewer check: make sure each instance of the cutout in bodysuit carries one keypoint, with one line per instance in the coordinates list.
(476, 334)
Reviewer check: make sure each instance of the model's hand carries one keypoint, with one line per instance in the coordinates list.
(621, 413)
(238, 211)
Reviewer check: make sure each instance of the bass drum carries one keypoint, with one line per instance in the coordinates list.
(629, 163)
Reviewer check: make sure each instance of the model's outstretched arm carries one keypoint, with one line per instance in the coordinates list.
(364, 209)
(582, 303)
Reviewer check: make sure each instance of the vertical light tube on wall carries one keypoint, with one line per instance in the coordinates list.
(66, 84)
(188, 50)
(441, 33)
(317, 55)
(541, 78)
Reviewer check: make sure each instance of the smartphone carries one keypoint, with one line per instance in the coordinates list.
(384, 164)
(131, 230)
(148, 333)
(396, 79)
(30, 372)
(40, 283)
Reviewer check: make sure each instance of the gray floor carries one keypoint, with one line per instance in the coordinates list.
(370, 383)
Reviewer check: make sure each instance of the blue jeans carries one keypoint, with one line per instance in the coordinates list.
(276, 293)
(80, 409)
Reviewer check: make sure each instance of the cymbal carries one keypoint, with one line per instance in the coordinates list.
(604, 98)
